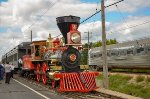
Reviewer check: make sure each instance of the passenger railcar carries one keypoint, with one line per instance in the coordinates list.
(129, 55)
(17, 52)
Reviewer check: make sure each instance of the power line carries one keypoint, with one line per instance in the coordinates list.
(133, 26)
(122, 15)
(94, 19)
(100, 11)
(96, 13)
(52, 4)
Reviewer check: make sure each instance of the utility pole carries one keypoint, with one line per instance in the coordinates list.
(31, 35)
(88, 46)
(105, 68)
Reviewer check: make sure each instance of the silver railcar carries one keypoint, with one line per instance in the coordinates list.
(123, 55)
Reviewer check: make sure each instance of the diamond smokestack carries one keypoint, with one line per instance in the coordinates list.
(64, 22)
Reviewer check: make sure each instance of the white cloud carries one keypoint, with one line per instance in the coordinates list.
(131, 30)
(127, 5)
(119, 30)
(22, 14)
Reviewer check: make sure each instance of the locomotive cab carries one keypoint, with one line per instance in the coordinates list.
(36, 47)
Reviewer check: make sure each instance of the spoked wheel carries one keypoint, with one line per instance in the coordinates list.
(28, 75)
(44, 68)
(38, 73)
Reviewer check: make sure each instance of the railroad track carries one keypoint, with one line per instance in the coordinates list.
(75, 95)
(69, 95)
(78, 95)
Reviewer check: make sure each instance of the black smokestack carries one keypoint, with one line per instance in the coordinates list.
(64, 22)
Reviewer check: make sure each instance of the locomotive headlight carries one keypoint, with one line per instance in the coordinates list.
(75, 37)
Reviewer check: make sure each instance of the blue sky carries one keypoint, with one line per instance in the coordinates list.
(91, 1)
(13, 25)
(3, 1)
(3, 29)
(113, 16)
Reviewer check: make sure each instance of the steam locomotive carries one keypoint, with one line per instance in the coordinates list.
(57, 61)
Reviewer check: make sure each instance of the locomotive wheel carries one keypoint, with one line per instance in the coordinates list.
(38, 73)
(44, 68)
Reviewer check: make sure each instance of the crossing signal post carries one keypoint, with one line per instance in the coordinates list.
(88, 46)
(105, 68)
(31, 35)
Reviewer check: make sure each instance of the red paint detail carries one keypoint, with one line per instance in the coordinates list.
(56, 40)
(27, 62)
(79, 48)
(38, 73)
(53, 84)
(72, 57)
(73, 82)
(44, 69)
(56, 43)
(73, 27)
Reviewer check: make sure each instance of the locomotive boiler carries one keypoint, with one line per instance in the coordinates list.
(56, 61)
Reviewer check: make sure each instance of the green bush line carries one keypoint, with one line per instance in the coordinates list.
(131, 70)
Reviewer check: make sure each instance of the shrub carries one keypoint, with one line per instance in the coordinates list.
(148, 79)
(140, 78)
(128, 78)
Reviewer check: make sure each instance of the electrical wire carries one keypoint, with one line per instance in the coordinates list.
(90, 16)
(52, 4)
(123, 18)
(100, 11)
(132, 26)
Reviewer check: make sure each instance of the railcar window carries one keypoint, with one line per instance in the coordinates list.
(130, 52)
(11, 58)
(113, 54)
(108, 54)
(117, 53)
(149, 49)
(122, 53)
(94, 55)
(8, 59)
(15, 57)
(91, 56)
(139, 50)
(99, 55)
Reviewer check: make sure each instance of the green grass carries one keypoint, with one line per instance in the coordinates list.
(121, 84)
(148, 79)
(140, 78)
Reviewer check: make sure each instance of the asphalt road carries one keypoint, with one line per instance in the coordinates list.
(20, 89)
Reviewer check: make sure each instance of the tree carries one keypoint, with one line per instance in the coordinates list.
(84, 56)
(84, 52)
(97, 44)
